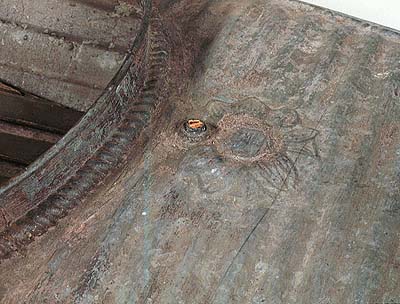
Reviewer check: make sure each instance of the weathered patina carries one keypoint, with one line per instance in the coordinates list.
(289, 195)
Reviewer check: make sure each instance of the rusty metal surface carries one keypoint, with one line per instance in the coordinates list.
(290, 196)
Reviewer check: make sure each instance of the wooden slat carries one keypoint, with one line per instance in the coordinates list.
(30, 133)
(10, 169)
(36, 112)
(23, 144)
(4, 88)
(29, 125)
(3, 180)
(21, 150)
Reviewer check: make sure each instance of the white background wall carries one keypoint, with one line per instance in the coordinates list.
(385, 12)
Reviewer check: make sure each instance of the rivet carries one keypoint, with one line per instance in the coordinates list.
(195, 126)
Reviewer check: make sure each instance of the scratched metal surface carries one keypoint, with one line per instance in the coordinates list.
(292, 197)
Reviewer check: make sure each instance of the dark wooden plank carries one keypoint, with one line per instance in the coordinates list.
(21, 150)
(27, 132)
(3, 180)
(29, 110)
(10, 169)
